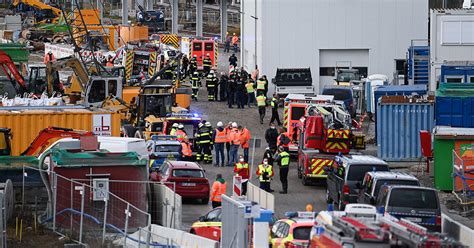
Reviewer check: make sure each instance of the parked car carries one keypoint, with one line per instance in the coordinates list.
(344, 176)
(374, 180)
(341, 93)
(209, 225)
(291, 232)
(161, 148)
(417, 204)
(189, 177)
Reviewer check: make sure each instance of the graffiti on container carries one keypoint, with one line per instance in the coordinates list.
(101, 125)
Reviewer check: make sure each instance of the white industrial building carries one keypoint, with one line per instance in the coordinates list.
(451, 41)
(370, 35)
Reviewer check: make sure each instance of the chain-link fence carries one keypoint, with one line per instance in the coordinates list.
(95, 212)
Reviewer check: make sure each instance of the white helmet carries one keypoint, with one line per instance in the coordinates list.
(208, 124)
(220, 124)
(234, 124)
(181, 126)
(175, 125)
(212, 71)
(200, 124)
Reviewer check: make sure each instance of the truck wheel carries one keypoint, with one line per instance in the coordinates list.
(328, 198)
(304, 180)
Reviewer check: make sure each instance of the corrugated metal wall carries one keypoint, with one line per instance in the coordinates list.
(26, 125)
(291, 33)
(398, 129)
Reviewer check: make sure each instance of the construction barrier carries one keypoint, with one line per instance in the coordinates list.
(167, 206)
(458, 231)
(168, 237)
(262, 197)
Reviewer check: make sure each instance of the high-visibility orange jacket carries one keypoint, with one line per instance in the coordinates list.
(48, 57)
(221, 136)
(234, 137)
(218, 189)
(245, 138)
(186, 149)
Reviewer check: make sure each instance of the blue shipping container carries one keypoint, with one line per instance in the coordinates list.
(457, 74)
(398, 90)
(398, 129)
(455, 111)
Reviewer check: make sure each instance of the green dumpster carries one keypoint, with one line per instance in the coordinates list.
(18, 52)
(446, 139)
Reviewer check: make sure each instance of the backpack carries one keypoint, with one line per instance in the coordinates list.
(284, 140)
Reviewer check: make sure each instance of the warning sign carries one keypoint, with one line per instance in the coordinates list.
(101, 125)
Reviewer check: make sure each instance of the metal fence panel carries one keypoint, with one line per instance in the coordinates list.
(234, 233)
(265, 199)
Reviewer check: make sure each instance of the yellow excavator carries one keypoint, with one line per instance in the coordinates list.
(44, 13)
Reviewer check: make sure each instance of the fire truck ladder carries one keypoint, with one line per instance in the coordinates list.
(415, 235)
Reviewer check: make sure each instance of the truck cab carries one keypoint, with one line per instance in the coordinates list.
(293, 81)
(346, 76)
(346, 174)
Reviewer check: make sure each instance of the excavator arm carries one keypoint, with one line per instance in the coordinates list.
(38, 5)
(80, 73)
(10, 69)
(46, 135)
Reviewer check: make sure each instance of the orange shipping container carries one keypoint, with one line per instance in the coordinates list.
(25, 125)
(132, 33)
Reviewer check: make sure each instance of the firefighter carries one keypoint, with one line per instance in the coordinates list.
(186, 152)
(168, 73)
(261, 86)
(261, 103)
(234, 139)
(180, 133)
(283, 160)
(211, 86)
(220, 138)
(174, 128)
(204, 141)
(206, 64)
(274, 104)
(250, 93)
(218, 189)
(231, 89)
(265, 175)
(49, 57)
(195, 85)
(241, 168)
(193, 65)
(208, 153)
(233, 60)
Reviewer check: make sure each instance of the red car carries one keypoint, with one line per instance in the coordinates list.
(190, 179)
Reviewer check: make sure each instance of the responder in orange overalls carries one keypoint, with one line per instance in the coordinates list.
(245, 141)
(218, 189)
(234, 139)
(49, 57)
(283, 140)
(180, 133)
(186, 152)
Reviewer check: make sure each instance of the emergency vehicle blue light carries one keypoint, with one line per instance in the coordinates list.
(195, 115)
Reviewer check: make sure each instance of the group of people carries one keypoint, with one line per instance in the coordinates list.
(231, 40)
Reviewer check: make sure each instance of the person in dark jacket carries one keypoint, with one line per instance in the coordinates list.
(266, 84)
(231, 89)
(184, 65)
(223, 87)
(240, 93)
(268, 155)
(271, 136)
(233, 60)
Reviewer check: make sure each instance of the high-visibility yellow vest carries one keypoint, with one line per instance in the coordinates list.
(261, 100)
(249, 87)
(262, 169)
(285, 159)
(274, 102)
(260, 85)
